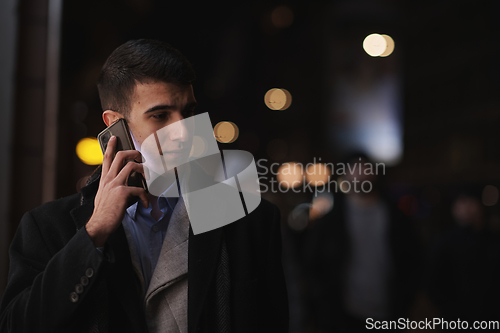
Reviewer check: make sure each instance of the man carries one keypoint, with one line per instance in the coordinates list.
(89, 263)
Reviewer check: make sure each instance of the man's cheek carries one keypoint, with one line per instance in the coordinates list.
(136, 140)
(151, 156)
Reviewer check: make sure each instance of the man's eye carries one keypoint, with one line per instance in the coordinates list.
(160, 116)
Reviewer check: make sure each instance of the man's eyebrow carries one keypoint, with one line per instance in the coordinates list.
(159, 107)
(170, 107)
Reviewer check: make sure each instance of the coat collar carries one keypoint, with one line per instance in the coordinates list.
(82, 213)
(203, 253)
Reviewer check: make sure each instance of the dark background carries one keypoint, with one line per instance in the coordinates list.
(447, 56)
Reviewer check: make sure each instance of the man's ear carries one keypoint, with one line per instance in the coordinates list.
(110, 116)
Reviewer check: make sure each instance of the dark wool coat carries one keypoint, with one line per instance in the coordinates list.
(52, 253)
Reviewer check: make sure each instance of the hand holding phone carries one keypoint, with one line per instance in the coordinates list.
(114, 194)
(120, 130)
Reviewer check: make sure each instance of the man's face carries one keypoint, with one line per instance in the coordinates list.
(155, 105)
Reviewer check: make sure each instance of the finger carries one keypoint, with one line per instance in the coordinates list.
(122, 177)
(141, 193)
(108, 156)
(120, 159)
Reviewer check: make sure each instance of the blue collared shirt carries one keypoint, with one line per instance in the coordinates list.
(148, 233)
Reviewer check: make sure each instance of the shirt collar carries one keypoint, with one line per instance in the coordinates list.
(162, 203)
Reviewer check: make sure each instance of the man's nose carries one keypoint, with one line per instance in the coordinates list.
(178, 131)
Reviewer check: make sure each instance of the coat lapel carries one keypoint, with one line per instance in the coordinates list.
(173, 260)
(166, 299)
(203, 254)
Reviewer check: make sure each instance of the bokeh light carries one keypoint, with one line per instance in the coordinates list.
(278, 99)
(317, 174)
(321, 205)
(199, 147)
(390, 46)
(290, 175)
(89, 151)
(226, 132)
(490, 195)
(374, 45)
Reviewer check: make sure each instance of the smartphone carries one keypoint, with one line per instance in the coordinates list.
(124, 142)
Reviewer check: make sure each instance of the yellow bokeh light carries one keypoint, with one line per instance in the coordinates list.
(226, 132)
(390, 46)
(318, 174)
(89, 151)
(290, 175)
(375, 45)
(278, 99)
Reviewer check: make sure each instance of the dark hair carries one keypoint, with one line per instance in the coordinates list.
(141, 60)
